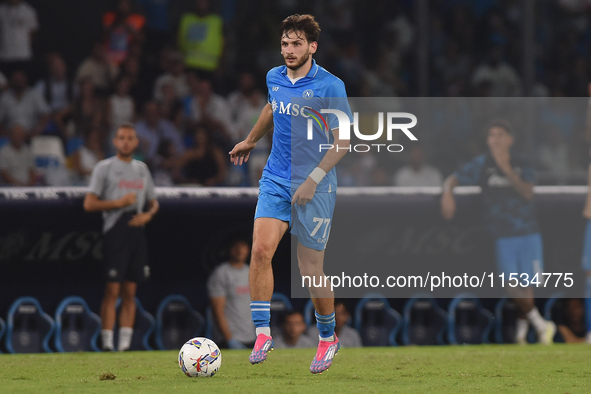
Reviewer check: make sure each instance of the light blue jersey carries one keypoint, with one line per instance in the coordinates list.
(293, 156)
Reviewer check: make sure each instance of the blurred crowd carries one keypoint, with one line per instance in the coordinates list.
(190, 75)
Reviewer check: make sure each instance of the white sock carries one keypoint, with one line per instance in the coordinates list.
(588, 339)
(536, 320)
(327, 339)
(125, 334)
(107, 338)
(263, 330)
(522, 328)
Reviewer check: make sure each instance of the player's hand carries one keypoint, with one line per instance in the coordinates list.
(127, 200)
(502, 158)
(305, 192)
(241, 152)
(140, 219)
(589, 88)
(235, 344)
(448, 205)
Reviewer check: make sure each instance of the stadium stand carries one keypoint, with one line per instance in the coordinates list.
(468, 322)
(424, 322)
(28, 328)
(177, 322)
(77, 328)
(377, 323)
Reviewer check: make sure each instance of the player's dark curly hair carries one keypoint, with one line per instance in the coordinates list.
(303, 23)
(503, 124)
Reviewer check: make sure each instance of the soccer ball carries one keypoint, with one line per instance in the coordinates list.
(200, 357)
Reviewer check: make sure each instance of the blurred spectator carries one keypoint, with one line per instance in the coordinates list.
(553, 155)
(292, 335)
(175, 75)
(230, 298)
(204, 163)
(87, 156)
(121, 105)
(24, 106)
(89, 109)
(17, 165)
(573, 328)
(157, 24)
(121, 29)
(59, 92)
(18, 24)
(152, 129)
(348, 336)
(417, 172)
(201, 38)
(98, 69)
(503, 79)
(165, 165)
(206, 107)
(57, 89)
(171, 108)
(246, 105)
(380, 81)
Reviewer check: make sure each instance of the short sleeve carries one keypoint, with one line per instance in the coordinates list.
(32, 22)
(215, 284)
(150, 189)
(42, 105)
(97, 179)
(470, 173)
(337, 99)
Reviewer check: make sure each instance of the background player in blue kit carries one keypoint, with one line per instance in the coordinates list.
(299, 196)
(507, 182)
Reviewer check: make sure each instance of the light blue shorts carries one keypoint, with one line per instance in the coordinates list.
(310, 223)
(520, 255)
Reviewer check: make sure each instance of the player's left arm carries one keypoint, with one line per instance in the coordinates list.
(142, 218)
(306, 190)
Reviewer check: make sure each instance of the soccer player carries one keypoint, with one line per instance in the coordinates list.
(507, 182)
(290, 195)
(120, 187)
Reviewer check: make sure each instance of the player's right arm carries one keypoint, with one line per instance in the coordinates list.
(92, 203)
(264, 124)
(468, 174)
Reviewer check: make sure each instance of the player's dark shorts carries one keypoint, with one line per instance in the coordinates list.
(125, 252)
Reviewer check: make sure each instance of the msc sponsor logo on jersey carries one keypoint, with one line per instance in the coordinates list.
(131, 184)
(497, 180)
(288, 109)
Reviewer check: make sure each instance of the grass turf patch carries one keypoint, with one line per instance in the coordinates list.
(441, 369)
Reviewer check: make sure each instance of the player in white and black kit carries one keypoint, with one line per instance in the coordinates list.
(120, 187)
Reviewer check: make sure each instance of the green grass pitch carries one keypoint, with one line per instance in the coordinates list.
(442, 369)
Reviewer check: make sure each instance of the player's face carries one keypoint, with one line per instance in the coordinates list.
(296, 50)
(499, 138)
(125, 141)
